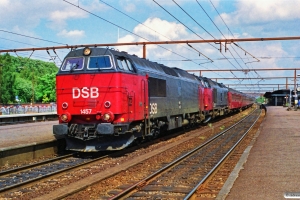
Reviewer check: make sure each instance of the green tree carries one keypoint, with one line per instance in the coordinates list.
(23, 89)
(8, 76)
(46, 87)
(45, 99)
(22, 77)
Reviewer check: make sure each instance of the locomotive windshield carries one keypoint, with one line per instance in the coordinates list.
(100, 62)
(71, 64)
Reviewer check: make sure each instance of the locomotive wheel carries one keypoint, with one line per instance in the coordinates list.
(153, 134)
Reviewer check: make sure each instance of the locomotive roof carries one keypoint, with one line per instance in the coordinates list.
(144, 64)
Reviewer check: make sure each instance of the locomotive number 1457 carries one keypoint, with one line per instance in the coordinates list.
(85, 111)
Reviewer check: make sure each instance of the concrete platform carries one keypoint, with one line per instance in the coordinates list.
(28, 117)
(270, 168)
(14, 136)
(24, 142)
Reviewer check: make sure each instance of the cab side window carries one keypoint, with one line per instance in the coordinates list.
(124, 64)
(206, 84)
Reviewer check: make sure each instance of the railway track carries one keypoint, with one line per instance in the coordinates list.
(41, 187)
(181, 178)
(13, 178)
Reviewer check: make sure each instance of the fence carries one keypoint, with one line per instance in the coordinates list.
(21, 109)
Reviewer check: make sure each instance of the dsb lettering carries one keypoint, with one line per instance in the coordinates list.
(85, 92)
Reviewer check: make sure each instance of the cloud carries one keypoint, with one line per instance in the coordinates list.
(164, 31)
(55, 12)
(257, 11)
(130, 7)
(167, 31)
(269, 55)
(58, 17)
(74, 34)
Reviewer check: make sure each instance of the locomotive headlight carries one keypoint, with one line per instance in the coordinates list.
(108, 117)
(87, 51)
(65, 117)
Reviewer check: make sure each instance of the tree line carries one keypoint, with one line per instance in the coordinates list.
(24, 80)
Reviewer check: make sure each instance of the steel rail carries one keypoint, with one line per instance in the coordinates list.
(170, 165)
(50, 174)
(220, 162)
(18, 169)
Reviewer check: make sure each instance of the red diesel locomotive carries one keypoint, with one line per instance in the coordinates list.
(107, 99)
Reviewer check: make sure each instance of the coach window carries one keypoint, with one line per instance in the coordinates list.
(99, 62)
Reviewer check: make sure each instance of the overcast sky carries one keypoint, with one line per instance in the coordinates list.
(112, 21)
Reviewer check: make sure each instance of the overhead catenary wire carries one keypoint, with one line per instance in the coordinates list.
(31, 37)
(116, 25)
(182, 23)
(187, 28)
(217, 28)
(229, 30)
(24, 42)
(36, 56)
(190, 57)
(144, 25)
(125, 29)
(221, 31)
(224, 35)
(193, 19)
(191, 29)
(203, 29)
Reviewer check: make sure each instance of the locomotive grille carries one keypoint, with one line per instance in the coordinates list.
(85, 103)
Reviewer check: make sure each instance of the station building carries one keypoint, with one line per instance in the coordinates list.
(281, 97)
